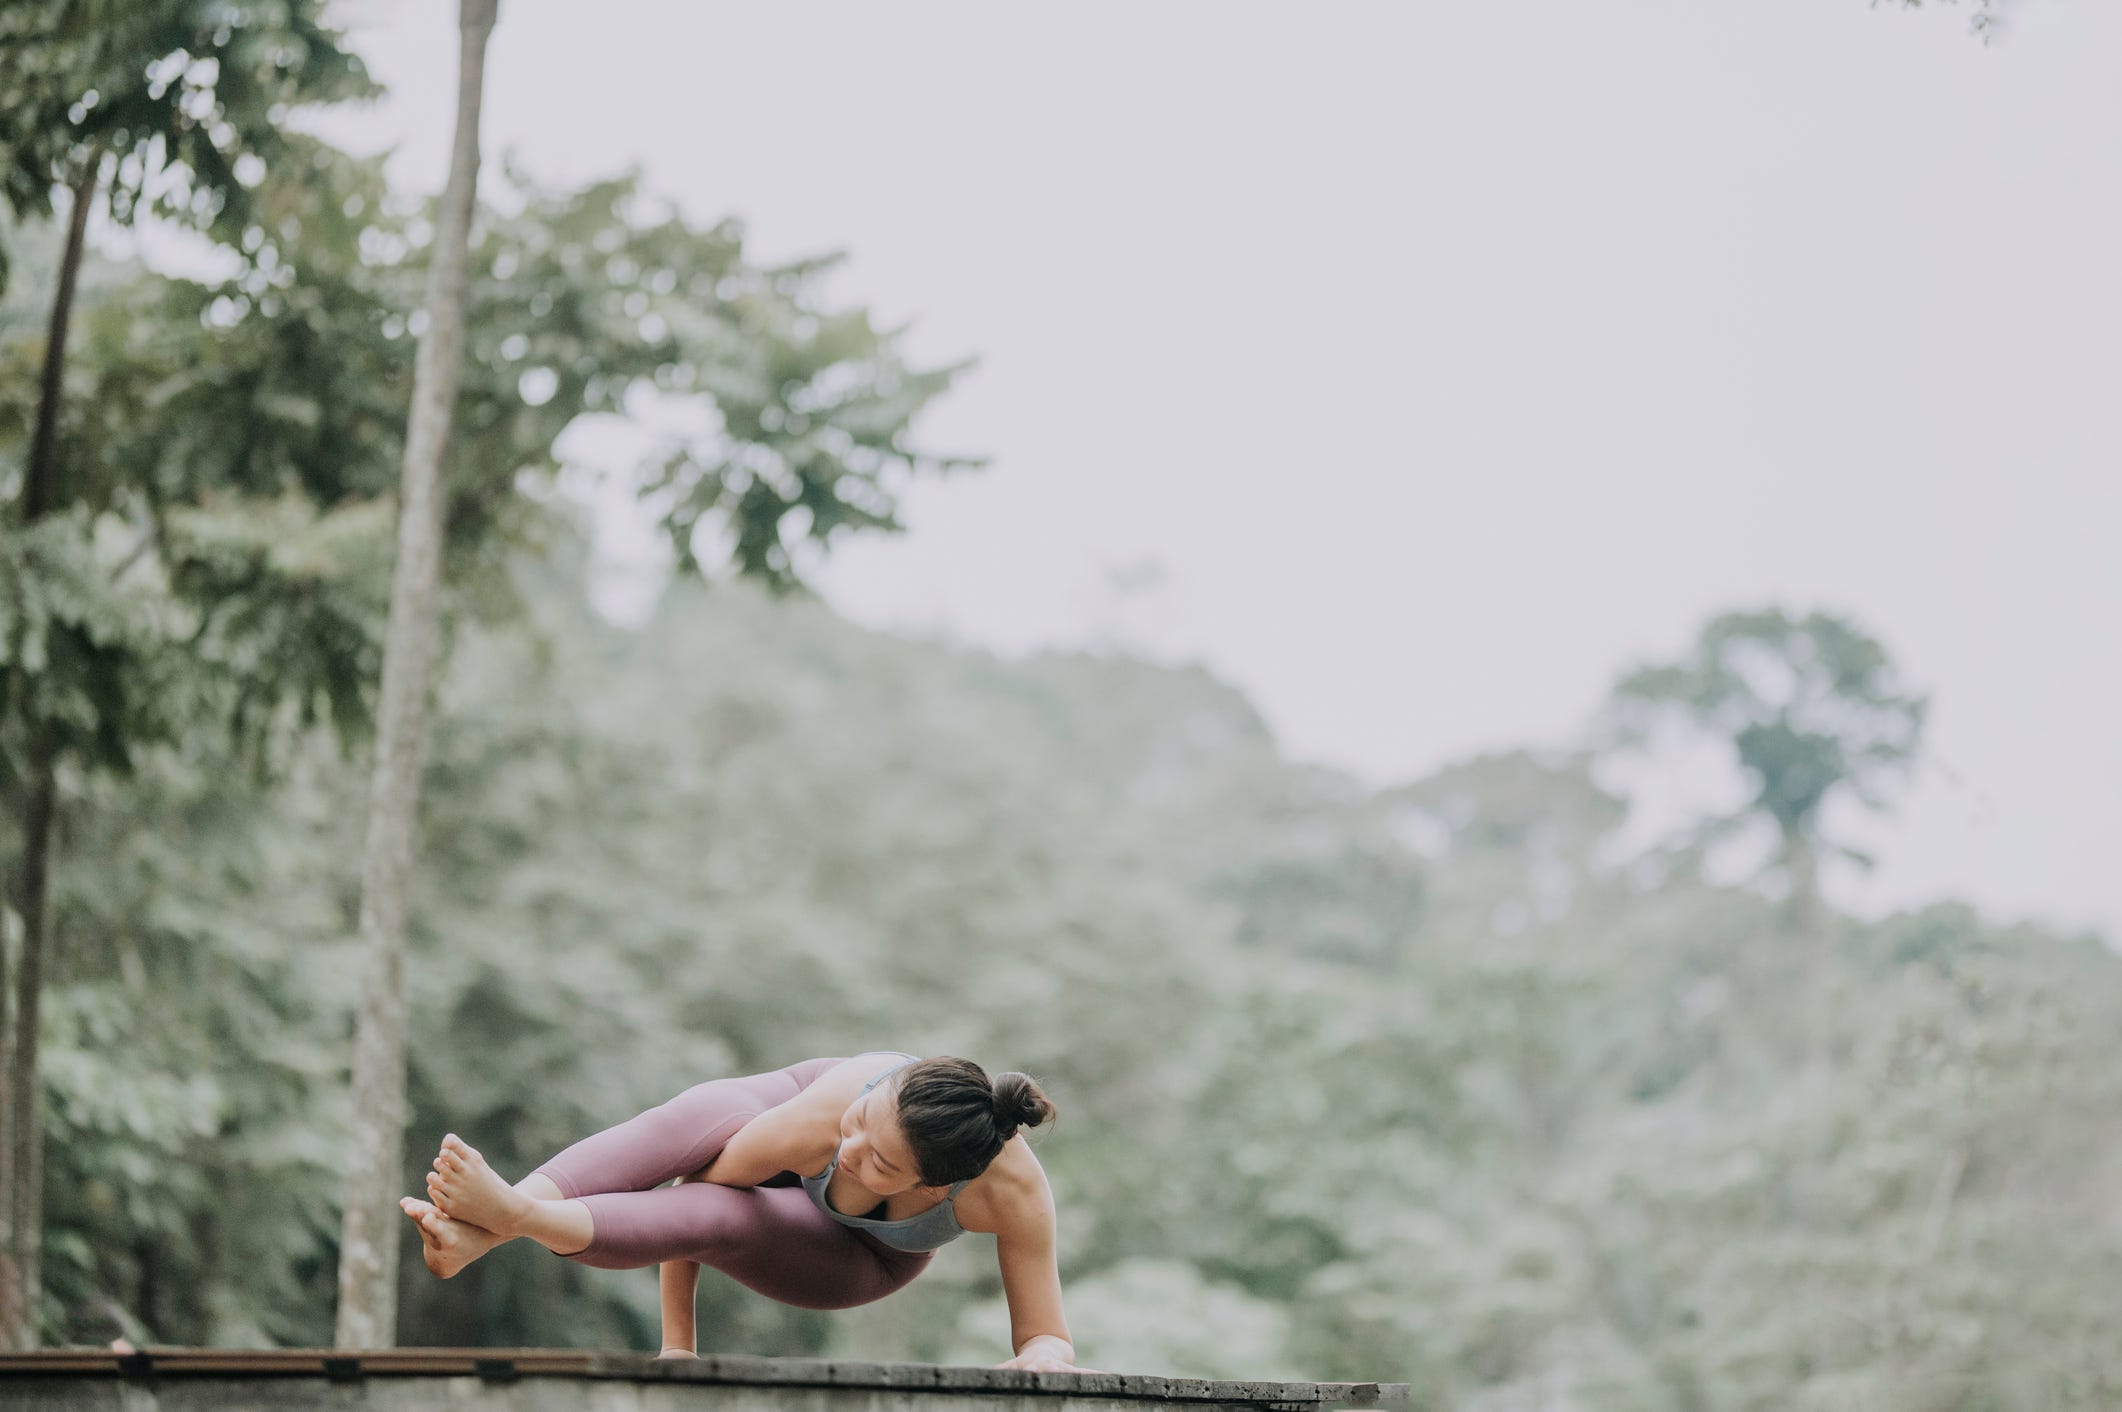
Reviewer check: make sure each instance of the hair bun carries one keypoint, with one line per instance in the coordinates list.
(1019, 1102)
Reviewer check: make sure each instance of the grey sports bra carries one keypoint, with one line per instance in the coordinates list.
(936, 1226)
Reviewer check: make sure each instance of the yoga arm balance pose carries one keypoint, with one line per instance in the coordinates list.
(825, 1185)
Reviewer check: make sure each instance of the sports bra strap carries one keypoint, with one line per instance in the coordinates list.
(888, 1073)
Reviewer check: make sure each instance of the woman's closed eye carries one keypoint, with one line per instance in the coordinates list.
(883, 1165)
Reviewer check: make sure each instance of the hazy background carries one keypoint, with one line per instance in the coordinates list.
(1417, 368)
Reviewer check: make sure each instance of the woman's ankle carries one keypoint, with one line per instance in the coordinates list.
(563, 1226)
(539, 1187)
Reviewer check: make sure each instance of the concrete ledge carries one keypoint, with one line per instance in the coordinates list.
(475, 1379)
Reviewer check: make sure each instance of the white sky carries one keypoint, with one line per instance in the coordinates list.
(1445, 359)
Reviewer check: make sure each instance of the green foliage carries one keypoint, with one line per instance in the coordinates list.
(177, 106)
(814, 406)
(194, 1054)
(249, 578)
(258, 497)
(77, 661)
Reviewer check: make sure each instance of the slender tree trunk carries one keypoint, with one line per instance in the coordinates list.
(372, 1225)
(43, 470)
(1807, 914)
(1808, 919)
(21, 1276)
(21, 1109)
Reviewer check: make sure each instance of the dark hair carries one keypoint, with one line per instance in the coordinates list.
(956, 1121)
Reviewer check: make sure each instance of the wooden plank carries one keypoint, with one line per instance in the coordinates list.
(350, 1365)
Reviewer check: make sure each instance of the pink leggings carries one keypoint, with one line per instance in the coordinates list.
(769, 1238)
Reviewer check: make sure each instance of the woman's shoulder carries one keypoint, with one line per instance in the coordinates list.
(842, 1079)
(1012, 1192)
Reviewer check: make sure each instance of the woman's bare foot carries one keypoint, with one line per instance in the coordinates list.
(446, 1245)
(465, 1189)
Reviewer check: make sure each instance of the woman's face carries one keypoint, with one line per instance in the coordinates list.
(873, 1148)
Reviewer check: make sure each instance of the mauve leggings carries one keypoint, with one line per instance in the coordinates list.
(769, 1238)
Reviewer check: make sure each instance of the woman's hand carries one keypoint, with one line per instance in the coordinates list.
(1044, 1363)
(1046, 1354)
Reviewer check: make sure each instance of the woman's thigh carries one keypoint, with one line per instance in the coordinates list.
(770, 1239)
(677, 1137)
(775, 1240)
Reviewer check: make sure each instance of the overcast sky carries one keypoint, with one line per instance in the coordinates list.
(1423, 366)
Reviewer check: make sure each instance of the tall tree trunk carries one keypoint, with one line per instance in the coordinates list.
(21, 1275)
(1807, 913)
(21, 1109)
(1808, 920)
(372, 1226)
(43, 468)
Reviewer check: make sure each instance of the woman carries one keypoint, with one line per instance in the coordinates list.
(903, 1157)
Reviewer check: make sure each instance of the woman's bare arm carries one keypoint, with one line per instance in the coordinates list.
(1017, 1204)
(796, 1136)
(781, 1139)
(680, 1282)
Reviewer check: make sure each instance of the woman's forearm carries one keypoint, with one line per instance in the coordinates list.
(680, 1280)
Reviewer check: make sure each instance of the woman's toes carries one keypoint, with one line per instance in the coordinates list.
(424, 1216)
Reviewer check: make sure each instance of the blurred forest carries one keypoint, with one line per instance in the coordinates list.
(1446, 1082)
(1352, 1084)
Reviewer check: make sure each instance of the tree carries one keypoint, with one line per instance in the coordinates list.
(369, 1241)
(1812, 710)
(169, 107)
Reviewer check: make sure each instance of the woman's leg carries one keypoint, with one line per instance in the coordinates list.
(769, 1239)
(671, 1139)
